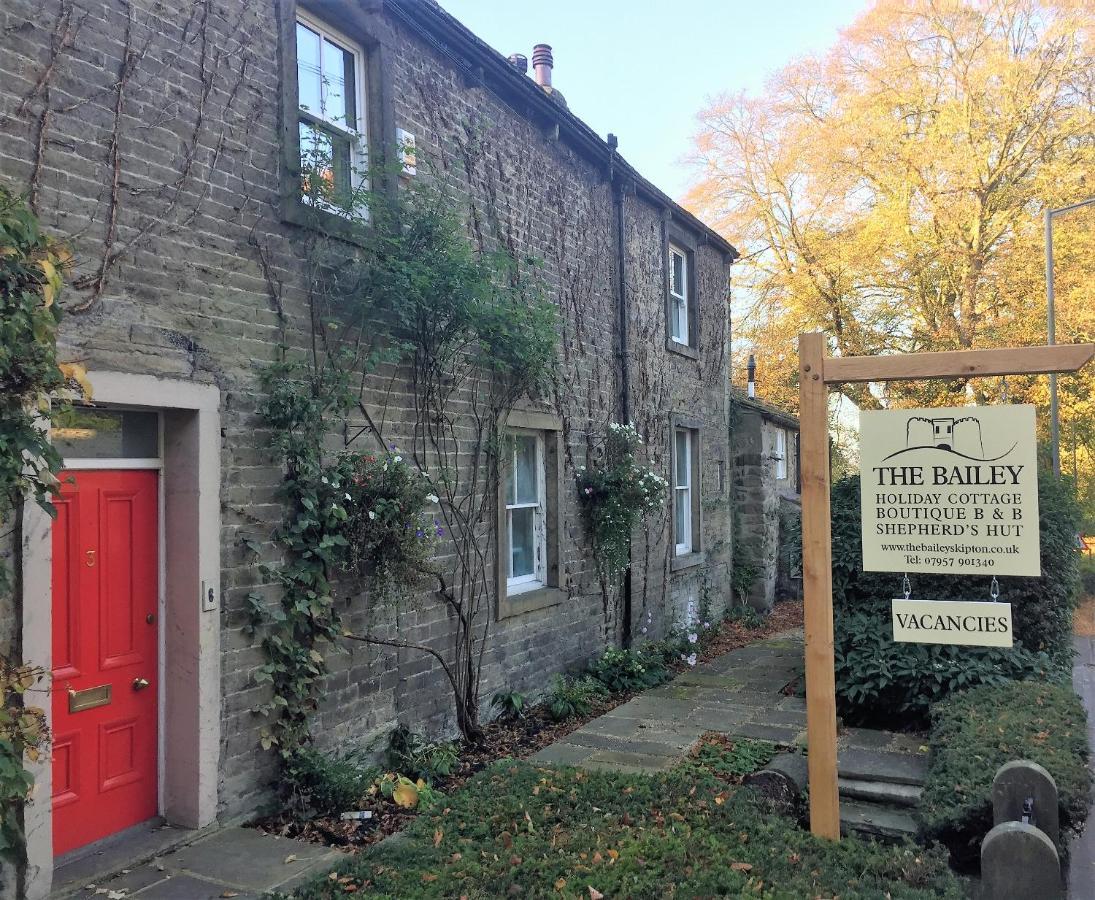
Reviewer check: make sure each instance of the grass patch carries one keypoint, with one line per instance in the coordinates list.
(977, 731)
(521, 830)
(729, 759)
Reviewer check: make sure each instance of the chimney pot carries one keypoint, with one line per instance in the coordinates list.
(542, 63)
(751, 368)
(520, 62)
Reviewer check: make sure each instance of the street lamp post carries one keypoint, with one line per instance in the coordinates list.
(1054, 421)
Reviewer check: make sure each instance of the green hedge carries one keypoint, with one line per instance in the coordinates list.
(878, 680)
(977, 731)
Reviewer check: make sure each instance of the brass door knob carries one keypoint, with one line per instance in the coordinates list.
(139, 684)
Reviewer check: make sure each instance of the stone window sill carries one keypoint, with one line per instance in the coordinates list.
(295, 212)
(681, 349)
(688, 561)
(529, 601)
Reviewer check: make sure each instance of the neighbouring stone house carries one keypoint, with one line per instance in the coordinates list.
(163, 142)
(767, 502)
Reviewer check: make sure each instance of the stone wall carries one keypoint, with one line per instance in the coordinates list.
(762, 501)
(149, 136)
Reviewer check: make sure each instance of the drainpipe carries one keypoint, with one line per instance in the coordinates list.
(625, 352)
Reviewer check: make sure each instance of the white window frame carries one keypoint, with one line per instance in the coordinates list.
(538, 577)
(357, 138)
(781, 454)
(682, 532)
(678, 300)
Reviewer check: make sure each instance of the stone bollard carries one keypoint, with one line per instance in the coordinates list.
(1019, 862)
(1017, 782)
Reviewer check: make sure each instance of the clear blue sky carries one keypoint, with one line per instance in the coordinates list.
(643, 69)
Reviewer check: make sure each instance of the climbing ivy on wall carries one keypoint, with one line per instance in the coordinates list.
(31, 379)
(471, 333)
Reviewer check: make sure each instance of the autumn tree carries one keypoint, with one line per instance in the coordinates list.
(890, 193)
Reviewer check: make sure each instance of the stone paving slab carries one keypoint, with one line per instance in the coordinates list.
(882, 765)
(236, 862)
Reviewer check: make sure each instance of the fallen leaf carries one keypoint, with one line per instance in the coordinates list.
(595, 894)
(438, 835)
(230, 894)
(741, 867)
(560, 884)
(428, 876)
(292, 857)
(506, 838)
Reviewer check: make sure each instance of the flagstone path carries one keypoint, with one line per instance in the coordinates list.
(242, 863)
(741, 694)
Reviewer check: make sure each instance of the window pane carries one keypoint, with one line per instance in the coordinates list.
(677, 278)
(316, 160)
(681, 458)
(522, 542)
(341, 163)
(309, 73)
(336, 63)
(528, 483)
(86, 433)
(676, 318)
(682, 516)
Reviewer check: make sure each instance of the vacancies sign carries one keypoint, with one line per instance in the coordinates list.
(951, 491)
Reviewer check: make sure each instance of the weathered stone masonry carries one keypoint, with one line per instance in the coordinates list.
(151, 137)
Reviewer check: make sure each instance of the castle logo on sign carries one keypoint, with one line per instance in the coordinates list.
(950, 491)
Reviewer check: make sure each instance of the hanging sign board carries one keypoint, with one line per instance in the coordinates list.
(951, 491)
(969, 623)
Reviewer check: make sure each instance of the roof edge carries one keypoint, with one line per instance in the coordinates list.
(451, 37)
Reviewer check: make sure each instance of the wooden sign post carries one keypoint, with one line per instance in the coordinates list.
(816, 374)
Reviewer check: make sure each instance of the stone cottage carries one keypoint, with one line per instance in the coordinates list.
(164, 144)
(767, 501)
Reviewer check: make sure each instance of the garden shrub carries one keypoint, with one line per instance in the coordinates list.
(520, 830)
(616, 494)
(573, 697)
(1087, 576)
(975, 732)
(411, 754)
(328, 784)
(623, 671)
(878, 678)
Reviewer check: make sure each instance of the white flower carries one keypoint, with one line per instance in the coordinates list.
(324, 479)
(692, 659)
(397, 459)
(347, 496)
(693, 637)
(432, 498)
(372, 515)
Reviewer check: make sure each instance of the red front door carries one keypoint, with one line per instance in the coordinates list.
(105, 673)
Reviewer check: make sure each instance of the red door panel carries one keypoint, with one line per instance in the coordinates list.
(105, 590)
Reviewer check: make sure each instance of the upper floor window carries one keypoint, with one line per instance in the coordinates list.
(331, 111)
(679, 299)
(525, 512)
(781, 453)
